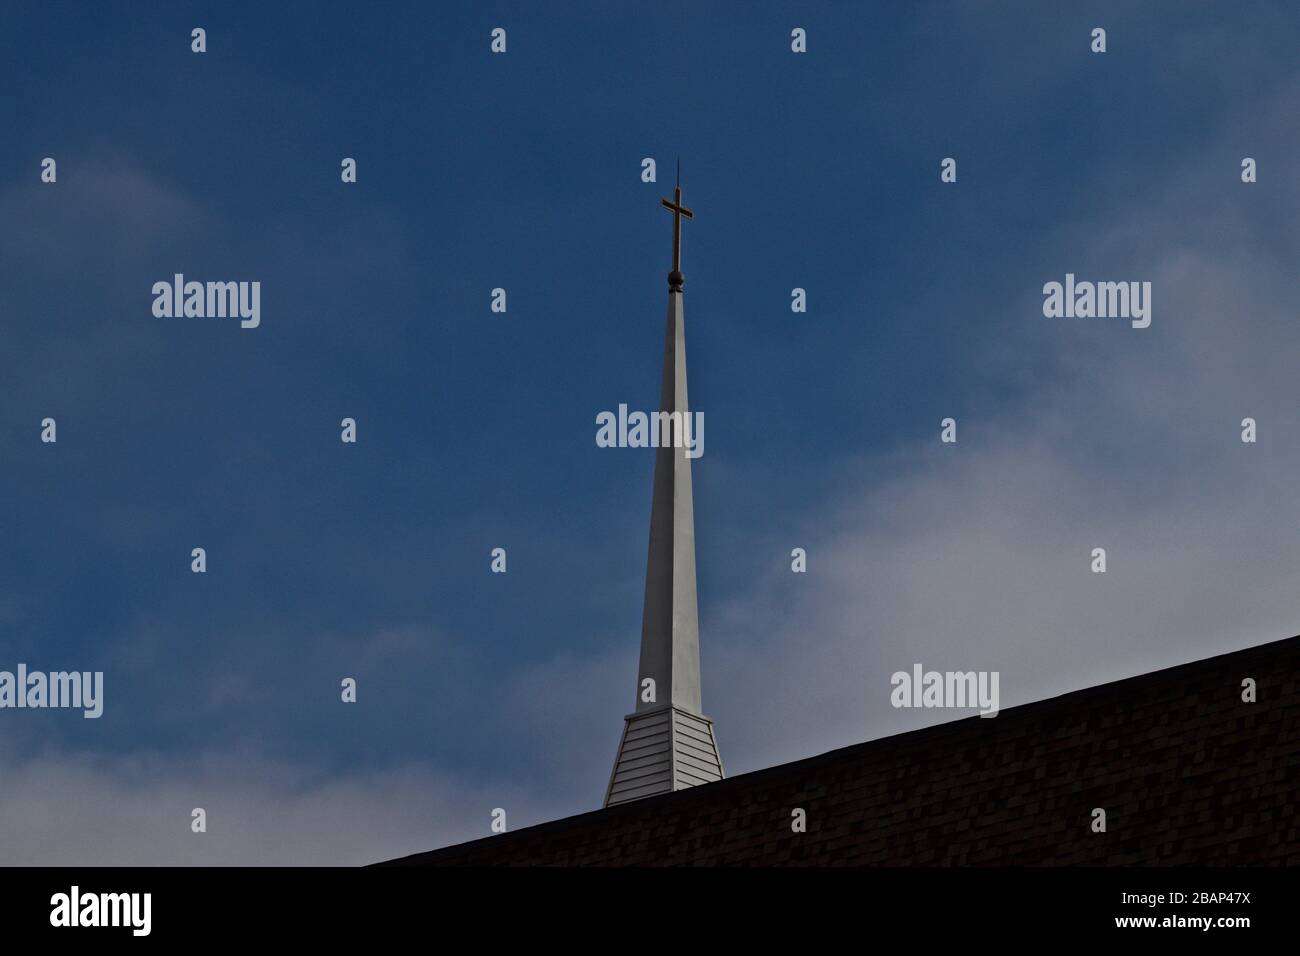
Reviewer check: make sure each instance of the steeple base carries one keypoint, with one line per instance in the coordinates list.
(661, 751)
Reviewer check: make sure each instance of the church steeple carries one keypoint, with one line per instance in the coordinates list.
(668, 744)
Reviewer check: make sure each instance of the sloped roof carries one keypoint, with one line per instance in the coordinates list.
(1186, 771)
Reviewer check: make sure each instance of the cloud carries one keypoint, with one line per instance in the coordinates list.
(976, 555)
(105, 208)
(87, 807)
(87, 810)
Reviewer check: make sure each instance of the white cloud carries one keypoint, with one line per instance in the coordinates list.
(84, 810)
(976, 556)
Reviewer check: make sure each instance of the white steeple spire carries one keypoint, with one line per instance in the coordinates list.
(668, 743)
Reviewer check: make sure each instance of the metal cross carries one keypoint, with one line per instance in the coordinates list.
(678, 211)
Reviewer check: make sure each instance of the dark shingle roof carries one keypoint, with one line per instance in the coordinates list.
(1186, 771)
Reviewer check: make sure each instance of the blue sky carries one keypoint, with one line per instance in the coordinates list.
(476, 430)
